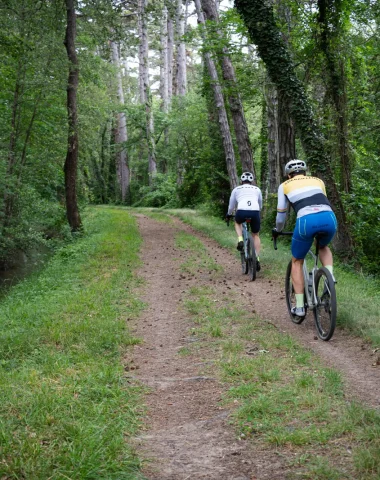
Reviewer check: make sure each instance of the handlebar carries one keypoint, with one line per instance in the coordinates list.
(276, 235)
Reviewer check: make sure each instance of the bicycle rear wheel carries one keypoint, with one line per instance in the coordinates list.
(290, 296)
(244, 264)
(325, 309)
(251, 260)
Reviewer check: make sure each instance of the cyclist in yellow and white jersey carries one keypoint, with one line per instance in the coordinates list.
(247, 200)
(307, 196)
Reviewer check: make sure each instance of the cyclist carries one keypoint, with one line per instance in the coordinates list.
(248, 200)
(307, 196)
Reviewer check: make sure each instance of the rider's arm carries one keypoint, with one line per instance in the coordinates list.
(282, 208)
(232, 204)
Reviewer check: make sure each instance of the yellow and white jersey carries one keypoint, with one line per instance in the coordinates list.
(306, 195)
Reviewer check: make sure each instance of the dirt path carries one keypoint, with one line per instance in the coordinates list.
(188, 433)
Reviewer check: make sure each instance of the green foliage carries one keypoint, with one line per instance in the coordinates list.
(162, 192)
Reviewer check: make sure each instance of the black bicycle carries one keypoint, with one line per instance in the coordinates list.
(319, 293)
(248, 254)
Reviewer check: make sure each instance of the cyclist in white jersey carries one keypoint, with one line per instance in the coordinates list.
(247, 200)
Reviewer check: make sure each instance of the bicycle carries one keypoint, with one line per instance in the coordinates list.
(248, 254)
(319, 293)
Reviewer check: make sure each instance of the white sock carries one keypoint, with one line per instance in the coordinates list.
(329, 268)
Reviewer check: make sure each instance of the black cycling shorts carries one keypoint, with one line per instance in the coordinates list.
(254, 215)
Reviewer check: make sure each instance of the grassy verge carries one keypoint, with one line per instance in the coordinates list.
(282, 397)
(66, 407)
(358, 296)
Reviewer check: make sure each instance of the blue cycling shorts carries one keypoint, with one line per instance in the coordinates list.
(254, 215)
(307, 227)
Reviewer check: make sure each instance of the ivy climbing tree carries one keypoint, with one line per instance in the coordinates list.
(259, 19)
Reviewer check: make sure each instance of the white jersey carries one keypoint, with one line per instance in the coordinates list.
(245, 197)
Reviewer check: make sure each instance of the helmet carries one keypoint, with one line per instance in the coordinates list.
(247, 177)
(295, 166)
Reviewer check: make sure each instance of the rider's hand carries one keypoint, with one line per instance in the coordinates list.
(227, 217)
(275, 232)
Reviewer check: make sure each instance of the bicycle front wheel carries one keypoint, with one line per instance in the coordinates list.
(325, 309)
(290, 296)
(251, 260)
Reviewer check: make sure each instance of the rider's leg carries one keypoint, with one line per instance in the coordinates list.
(239, 230)
(239, 233)
(256, 243)
(298, 281)
(326, 258)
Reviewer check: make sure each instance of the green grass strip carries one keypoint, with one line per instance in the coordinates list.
(66, 405)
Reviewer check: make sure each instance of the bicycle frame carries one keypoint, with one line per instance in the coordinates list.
(309, 279)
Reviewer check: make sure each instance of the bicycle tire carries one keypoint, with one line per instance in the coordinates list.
(290, 296)
(326, 308)
(251, 261)
(244, 264)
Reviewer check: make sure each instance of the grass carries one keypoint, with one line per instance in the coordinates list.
(66, 405)
(282, 396)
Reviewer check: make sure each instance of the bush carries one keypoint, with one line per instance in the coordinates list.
(162, 193)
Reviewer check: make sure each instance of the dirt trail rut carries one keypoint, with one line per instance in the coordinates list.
(188, 434)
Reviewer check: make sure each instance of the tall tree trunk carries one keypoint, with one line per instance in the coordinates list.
(121, 136)
(170, 56)
(274, 171)
(71, 163)
(219, 102)
(234, 99)
(164, 80)
(181, 74)
(329, 18)
(259, 19)
(145, 92)
(104, 161)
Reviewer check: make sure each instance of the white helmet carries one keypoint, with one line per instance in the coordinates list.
(295, 166)
(246, 177)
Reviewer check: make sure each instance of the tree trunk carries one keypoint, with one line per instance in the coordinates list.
(181, 80)
(145, 93)
(259, 20)
(170, 56)
(274, 172)
(236, 106)
(329, 17)
(121, 136)
(222, 114)
(71, 163)
(164, 79)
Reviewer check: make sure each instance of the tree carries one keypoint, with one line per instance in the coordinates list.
(220, 105)
(121, 131)
(259, 19)
(71, 163)
(145, 92)
(230, 84)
